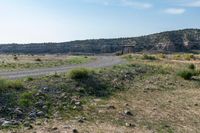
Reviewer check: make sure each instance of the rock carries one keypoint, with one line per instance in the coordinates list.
(56, 114)
(40, 114)
(38, 123)
(63, 95)
(54, 128)
(2, 120)
(129, 125)
(126, 104)
(111, 107)
(78, 103)
(196, 104)
(18, 112)
(32, 115)
(6, 124)
(127, 112)
(39, 93)
(14, 122)
(74, 131)
(45, 108)
(27, 124)
(81, 119)
(40, 103)
(66, 127)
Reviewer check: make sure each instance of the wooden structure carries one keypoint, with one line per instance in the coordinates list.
(126, 49)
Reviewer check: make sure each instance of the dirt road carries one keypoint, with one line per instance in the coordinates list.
(101, 61)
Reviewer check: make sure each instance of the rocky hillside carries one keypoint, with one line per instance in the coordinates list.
(171, 41)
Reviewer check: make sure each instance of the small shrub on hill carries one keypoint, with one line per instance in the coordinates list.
(38, 59)
(191, 66)
(7, 85)
(148, 57)
(189, 57)
(187, 74)
(79, 73)
(26, 99)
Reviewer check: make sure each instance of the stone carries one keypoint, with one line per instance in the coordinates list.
(66, 127)
(126, 104)
(129, 125)
(40, 114)
(74, 131)
(27, 124)
(38, 123)
(111, 107)
(54, 128)
(18, 112)
(2, 120)
(127, 112)
(40, 103)
(45, 107)
(78, 103)
(6, 123)
(32, 115)
(15, 122)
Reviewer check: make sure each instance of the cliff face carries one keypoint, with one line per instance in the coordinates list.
(171, 41)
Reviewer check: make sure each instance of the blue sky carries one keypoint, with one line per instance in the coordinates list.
(25, 21)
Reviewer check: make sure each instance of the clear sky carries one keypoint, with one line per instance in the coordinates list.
(25, 21)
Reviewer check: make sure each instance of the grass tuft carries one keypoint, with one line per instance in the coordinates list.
(79, 73)
(7, 85)
(192, 66)
(187, 74)
(148, 57)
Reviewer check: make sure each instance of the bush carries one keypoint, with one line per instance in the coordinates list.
(148, 57)
(26, 99)
(189, 56)
(162, 56)
(29, 79)
(15, 58)
(38, 59)
(79, 73)
(7, 85)
(191, 66)
(187, 74)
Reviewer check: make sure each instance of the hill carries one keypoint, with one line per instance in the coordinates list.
(170, 41)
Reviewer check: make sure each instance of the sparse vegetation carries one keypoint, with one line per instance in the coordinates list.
(80, 73)
(148, 57)
(26, 99)
(38, 60)
(191, 66)
(8, 62)
(148, 90)
(186, 74)
(7, 85)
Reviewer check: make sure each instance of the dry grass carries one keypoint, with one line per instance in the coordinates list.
(20, 62)
(159, 102)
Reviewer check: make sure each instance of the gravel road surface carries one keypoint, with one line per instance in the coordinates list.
(101, 61)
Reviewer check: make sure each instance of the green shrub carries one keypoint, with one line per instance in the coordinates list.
(38, 59)
(189, 56)
(7, 85)
(187, 74)
(191, 66)
(162, 56)
(148, 57)
(79, 73)
(26, 99)
(29, 79)
(15, 58)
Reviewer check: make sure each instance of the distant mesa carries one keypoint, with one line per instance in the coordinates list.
(171, 41)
